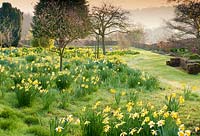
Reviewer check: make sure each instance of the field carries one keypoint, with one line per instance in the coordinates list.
(127, 92)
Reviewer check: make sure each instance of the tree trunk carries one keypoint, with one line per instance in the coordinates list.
(97, 46)
(103, 45)
(61, 61)
(61, 57)
(1, 42)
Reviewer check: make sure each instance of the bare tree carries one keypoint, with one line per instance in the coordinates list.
(62, 23)
(106, 20)
(187, 20)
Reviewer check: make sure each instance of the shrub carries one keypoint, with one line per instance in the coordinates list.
(17, 77)
(44, 81)
(63, 81)
(134, 80)
(30, 58)
(105, 73)
(173, 103)
(58, 127)
(42, 42)
(90, 122)
(86, 85)
(150, 82)
(26, 92)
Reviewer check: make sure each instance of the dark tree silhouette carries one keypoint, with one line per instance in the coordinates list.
(10, 24)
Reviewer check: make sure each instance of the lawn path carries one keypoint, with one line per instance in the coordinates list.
(155, 64)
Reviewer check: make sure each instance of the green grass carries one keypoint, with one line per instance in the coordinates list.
(172, 79)
(32, 121)
(155, 64)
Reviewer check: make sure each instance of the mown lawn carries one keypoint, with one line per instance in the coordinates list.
(156, 64)
(172, 79)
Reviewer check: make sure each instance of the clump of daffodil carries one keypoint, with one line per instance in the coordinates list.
(129, 106)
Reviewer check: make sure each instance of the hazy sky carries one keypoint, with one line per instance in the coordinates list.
(149, 18)
(27, 5)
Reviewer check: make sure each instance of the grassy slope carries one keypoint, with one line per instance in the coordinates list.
(171, 78)
(156, 65)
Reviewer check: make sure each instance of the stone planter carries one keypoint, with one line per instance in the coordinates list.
(193, 68)
(174, 62)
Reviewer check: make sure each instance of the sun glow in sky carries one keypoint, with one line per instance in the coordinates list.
(27, 5)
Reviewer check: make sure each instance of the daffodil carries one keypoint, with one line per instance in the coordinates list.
(123, 93)
(181, 133)
(160, 123)
(181, 100)
(140, 129)
(151, 124)
(84, 109)
(107, 109)
(106, 120)
(123, 134)
(173, 95)
(154, 132)
(70, 118)
(178, 121)
(187, 132)
(59, 129)
(147, 119)
(86, 122)
(113, 91)
(182, 127)
(132, 131)
(119, 124)
(155, 114)
(129, 106)
(197, 129)
(174, 115)
(106, 128)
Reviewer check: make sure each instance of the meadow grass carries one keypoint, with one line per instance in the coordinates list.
(34, 120)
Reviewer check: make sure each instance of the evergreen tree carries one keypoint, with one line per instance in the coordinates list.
(10, 24)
